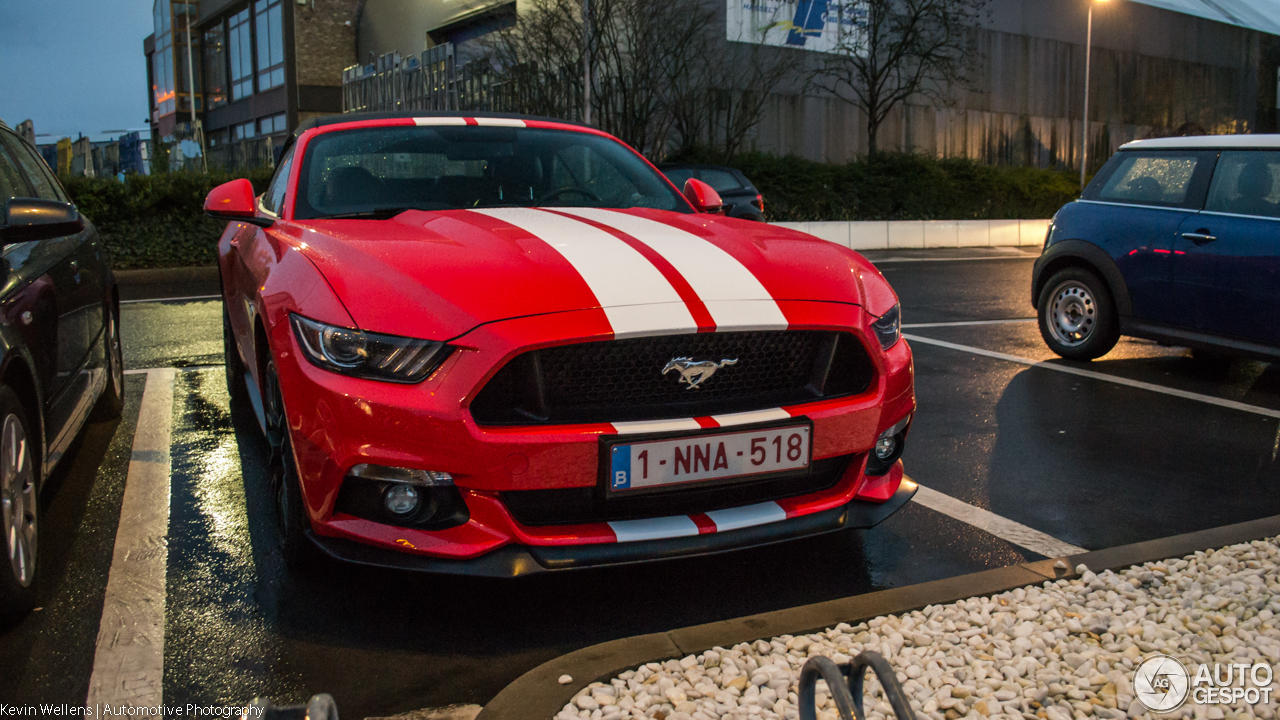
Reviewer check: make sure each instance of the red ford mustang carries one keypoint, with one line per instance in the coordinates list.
(497, 345)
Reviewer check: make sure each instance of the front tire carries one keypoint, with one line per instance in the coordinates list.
(19, 511)
(292, 521)
(1077, 316)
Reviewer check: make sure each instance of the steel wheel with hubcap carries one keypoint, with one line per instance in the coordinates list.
(19, 510)
(1077, 318)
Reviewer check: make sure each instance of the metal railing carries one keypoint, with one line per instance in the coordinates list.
(436, 81)
(846, 685)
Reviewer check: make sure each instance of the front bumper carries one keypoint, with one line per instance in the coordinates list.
(517, 560)
(337, 422)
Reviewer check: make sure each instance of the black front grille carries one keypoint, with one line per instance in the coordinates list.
(620, 380)
(575, 506)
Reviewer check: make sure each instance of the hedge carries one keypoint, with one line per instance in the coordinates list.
(152, 221)
(900, 187)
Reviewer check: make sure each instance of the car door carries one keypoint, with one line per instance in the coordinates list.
(1227, 256)
(1139, 201)
(57, 312)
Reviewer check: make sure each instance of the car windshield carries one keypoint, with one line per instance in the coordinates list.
(379, 172)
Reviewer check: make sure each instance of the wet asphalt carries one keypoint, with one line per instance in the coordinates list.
(1090, 462)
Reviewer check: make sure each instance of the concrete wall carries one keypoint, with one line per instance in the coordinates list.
(1153, 71)
(922, 234)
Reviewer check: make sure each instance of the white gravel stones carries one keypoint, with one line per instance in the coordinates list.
(1059, 651)
(565, 679)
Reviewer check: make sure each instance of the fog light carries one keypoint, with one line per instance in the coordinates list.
(885, 447)
(401, 499)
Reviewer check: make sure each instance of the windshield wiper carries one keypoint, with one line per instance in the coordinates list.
(378, 214)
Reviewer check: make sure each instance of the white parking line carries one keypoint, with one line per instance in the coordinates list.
(128, 662)
(1001, 527)
(966, 323)
(170, 299)
(973, 258)
(1068, 369)
(188, 368)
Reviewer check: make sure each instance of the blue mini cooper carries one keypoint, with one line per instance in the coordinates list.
(1176, 240)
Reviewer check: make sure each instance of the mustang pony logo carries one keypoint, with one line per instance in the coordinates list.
(692, 372)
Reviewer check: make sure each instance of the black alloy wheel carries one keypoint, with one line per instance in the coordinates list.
(292, 522)
(111, 402)
(19, 511)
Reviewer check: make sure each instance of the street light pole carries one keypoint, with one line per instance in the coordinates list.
(586, 62)
(1088, 60)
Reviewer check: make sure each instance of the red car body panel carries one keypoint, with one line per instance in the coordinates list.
(494, 289)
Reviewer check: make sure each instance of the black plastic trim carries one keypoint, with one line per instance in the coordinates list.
(1091, 255)
(518, 560)
(1191, 338)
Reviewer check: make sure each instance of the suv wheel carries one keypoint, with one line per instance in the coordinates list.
(1077, 316)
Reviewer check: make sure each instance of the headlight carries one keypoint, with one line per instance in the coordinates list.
(889, 327)
(368, 355)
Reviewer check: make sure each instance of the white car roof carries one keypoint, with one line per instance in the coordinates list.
(1210, 142)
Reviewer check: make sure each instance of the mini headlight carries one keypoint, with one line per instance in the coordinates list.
(368, 355)
(888, 328)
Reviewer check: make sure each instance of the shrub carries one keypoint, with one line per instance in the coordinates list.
(152, 221)
(900, 187)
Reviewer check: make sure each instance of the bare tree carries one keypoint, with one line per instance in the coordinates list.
(637, 48)
(899, 49)
(721, 97)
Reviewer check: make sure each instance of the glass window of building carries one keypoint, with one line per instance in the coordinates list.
(240, 45)
(162, 79)
(243, 131)
(215, 67)
(185, 15)
(272, 125)
(270, 28)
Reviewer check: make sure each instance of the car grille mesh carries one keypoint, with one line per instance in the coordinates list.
(619, 380)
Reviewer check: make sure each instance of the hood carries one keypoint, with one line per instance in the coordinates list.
(440, 274)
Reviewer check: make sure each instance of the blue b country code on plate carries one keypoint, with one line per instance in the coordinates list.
(708, 457)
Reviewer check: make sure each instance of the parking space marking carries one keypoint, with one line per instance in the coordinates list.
(1185, 394)
(1001, 527)
(128, 661)
(966, 323)
(170, 299)
(188, 368)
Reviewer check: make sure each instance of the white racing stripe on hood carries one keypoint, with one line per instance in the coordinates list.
(635, 296)
(733, 296)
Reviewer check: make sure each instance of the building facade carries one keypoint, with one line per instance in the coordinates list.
(1158, 67)
(261, 67)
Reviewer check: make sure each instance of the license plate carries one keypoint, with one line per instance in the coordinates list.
(659, 463)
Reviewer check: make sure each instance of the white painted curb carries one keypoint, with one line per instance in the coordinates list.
(922, 234)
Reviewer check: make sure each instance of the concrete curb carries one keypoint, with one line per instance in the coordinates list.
(166, 275)
(537, 694)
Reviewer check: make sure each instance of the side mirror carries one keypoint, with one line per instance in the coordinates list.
(27, 219)
(234, 201)
(702, 196)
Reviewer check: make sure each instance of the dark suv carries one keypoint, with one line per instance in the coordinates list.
(741, 198)
(60, 359)
(1176, 240)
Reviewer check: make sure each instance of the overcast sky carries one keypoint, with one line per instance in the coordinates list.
(74, 66)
